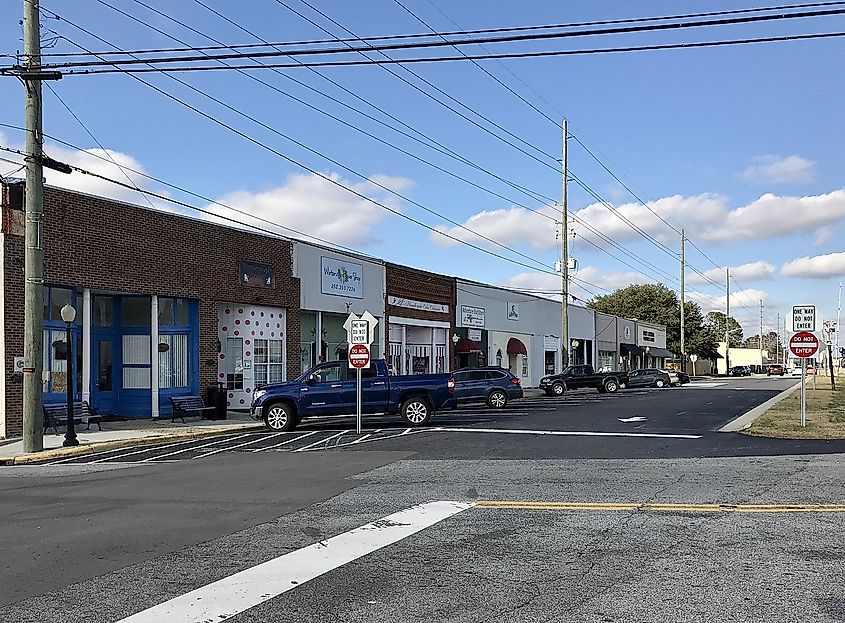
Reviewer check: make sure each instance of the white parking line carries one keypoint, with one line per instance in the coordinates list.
(405, 433)
(323, 441)
(240, 445)
(205, 445)
(563, 433)
(232, 595)
(150, 448)
(284, 443)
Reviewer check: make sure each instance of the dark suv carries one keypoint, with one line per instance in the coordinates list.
(648, 377)
(775, 369)
(495, 386)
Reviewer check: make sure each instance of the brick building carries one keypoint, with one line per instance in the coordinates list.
(419, 320)
(166, 305)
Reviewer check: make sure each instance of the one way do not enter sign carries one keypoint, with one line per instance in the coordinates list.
(359, 356)
(804, 344)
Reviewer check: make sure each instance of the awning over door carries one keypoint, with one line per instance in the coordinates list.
(630, 349)
(465, 345)
(516, 347)
(660, 352)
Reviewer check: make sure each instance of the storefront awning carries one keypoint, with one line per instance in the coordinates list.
(660, 352)
(630, 349)
(516, 347)
(465, 345)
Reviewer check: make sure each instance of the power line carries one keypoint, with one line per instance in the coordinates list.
(458, 42)
(460, 31)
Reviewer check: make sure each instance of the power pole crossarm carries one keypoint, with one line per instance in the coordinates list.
(564, 261)
(33, 439)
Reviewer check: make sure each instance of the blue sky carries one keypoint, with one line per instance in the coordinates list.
(703, 134)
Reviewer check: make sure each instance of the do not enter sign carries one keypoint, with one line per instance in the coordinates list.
(804, 344)
(359, 356)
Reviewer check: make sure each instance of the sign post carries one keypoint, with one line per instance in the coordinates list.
(360, 333)
(804, 344)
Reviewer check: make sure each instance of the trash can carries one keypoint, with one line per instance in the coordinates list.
(216, 397)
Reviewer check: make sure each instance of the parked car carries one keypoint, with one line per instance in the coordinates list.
(576, 377)
(795, 371)
(493, 385)
(649, 377)
(740, 371)
(683, 377)
(775, 369)
(329, 389)
(676, 377)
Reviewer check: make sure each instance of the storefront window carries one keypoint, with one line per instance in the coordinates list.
(136, 362)
(173, 312)
(606, 358)
(173, 363)
(524, 365)
(165, 311)
(103, 311)
(268, 362)
(58, 298)
(136, 311)
(233, 363)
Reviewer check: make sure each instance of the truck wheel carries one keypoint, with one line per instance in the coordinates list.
(497, 399)
(280, 417)
(611, 386)
(416, 411)
(558, 389)
(659, 383)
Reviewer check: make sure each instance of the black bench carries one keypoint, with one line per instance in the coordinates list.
(55, 415)
(188, 405)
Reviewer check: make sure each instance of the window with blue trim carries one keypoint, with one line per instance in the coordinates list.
(55, 342)
(174, 343)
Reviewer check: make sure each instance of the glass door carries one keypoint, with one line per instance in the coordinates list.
(103, 394)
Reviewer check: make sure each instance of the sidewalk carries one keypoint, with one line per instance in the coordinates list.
(122, 434)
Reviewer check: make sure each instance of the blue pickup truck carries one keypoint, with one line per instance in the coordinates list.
(329, 389)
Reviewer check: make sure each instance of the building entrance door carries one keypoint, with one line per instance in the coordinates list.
(104, 382)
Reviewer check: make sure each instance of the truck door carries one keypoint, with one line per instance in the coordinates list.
(375, 392)
(323, 392)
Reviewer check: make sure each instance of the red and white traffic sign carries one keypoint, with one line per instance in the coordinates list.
(359, 356)
(803, 344)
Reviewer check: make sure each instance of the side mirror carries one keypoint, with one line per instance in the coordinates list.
(311, 380)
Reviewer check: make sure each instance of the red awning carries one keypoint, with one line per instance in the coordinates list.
(465, 345)
(516, 347)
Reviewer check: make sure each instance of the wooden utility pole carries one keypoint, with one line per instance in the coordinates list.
(727, 320)
(683, 267)
(761, 333)
(564, 260)
(33, 331)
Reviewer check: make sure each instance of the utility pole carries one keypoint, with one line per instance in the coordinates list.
(778, 343)
(33, 439)
(564, 260)
(761, 332)
(838, 314)
(727, 320)
(683, 267)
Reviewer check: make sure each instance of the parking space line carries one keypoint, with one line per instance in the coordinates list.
(284, 443)
(150, 448)
(661, 507)
(323, 441)
(232, 595)
(402, 434)
(240, 445)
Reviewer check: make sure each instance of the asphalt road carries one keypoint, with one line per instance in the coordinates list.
(551, 525)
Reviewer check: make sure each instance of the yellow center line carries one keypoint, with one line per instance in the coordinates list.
(660, 507)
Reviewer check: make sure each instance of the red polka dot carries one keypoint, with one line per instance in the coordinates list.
(246, 342)
(262, 314)
(268, 325)
(272, 315)
(225, 329)
(247, 353)
(273, 334)
(253, 332)
(228, 403)
(222, 356)
(246, 321)
(237, 332)
(237, 322)
(261, 333)
(243, 401)
(227, 311)
(222, 376)
(248, 390)
(252, 313)
(231, 395)
(240, 311)
(278, 325)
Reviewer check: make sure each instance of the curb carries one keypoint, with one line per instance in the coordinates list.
(100, 446)
(747, 419)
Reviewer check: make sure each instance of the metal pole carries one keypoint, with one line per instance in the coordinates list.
(830, 359)
(33, 327)
(803, 392)
(727, 319)
(683, 347)
(564, 261)
(70, 432)
(761, 333)
(358, 401)
(778, 344)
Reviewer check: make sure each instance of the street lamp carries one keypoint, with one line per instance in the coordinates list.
(647, 351)
(68, 315)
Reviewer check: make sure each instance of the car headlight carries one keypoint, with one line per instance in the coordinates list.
(258, 394)
(545, 379)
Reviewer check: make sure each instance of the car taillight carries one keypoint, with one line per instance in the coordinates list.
(515, 381)
(450, 385)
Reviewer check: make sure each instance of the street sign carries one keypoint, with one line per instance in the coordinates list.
(360, 332)
(803, 317)
(693, 358)
(803, 344)
(359, 356)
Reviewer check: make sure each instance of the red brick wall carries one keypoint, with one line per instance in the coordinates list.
(91, 242)
(420, 285)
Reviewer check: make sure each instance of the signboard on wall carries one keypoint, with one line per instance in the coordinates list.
(513, 311)
(341, 278)
(472, 316)
(474, 335)
(257, 274)
(398, 301)
(551, 343)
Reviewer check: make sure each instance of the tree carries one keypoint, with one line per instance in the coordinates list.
(771, 343)
(716, 320)
(657, 303)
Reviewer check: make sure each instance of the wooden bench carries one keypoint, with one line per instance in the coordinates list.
(188, 405)
(55, 415)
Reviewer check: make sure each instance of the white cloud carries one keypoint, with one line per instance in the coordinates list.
(817, 267)
(508, 226)
(773, 169)
(753, 271)
(316, 207)
(582, 282)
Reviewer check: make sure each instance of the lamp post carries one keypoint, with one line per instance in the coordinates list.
(574, 357)
(647, 351)
(68, 315)
(455, 339)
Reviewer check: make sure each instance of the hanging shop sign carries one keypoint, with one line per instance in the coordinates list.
(341, 278)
